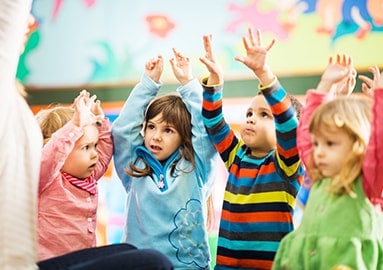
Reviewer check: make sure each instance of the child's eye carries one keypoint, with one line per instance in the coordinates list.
(264, 115)
(330, 143)
(150, 126)
(168, 130)
(249, 114)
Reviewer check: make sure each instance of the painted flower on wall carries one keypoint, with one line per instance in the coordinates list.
(159, 25)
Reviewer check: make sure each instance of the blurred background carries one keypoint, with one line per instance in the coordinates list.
(102, 46)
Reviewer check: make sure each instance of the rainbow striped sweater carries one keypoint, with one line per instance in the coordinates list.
(260, 193)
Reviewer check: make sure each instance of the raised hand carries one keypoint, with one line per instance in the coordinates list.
(154, 68)
(83, 105)
(338, 78)
(98, 112)
(181, 67)
(346, 87)
(257, 56)
(211, 63)
(368, 84)
(379, 81)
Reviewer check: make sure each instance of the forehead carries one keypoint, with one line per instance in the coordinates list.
(326, 132)
(158, 120)
(90, 134)
(258, 102)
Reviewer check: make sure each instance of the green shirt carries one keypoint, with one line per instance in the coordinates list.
(336, 230)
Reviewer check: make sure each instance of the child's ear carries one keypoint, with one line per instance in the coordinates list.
(142, 132)
(358, 147)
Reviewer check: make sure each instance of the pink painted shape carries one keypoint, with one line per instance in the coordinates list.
(251, 14)
(89, 3)
(58, 3)
(56, 8)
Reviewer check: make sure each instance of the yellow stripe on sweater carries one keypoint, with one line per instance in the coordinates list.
(263, 197)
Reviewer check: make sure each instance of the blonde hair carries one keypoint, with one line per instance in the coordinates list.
(353, 115)
(52, 119)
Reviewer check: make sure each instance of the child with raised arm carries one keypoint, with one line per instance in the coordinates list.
(164, 158)
(76, 154)
(265, 172)
(341, 228)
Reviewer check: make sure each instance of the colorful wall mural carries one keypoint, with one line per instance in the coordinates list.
(108, 41)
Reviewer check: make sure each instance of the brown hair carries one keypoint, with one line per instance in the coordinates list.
(297, 105)
(52, 119)
(173, 111)
(353, 115)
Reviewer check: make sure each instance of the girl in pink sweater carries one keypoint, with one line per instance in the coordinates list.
(77, 151)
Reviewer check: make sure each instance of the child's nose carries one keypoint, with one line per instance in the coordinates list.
(250, 119)
(94, 153)
(158, 136)
(319, 150)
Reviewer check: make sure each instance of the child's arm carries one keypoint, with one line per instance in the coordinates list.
(373, 161)
(221, 135)
(191, 93)
(57, 149)
(280, 104)
(211, 63)
(105, 142)
(55, 152)
(126, 129)
(338, 78)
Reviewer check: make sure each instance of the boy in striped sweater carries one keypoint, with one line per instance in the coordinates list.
(265, 171)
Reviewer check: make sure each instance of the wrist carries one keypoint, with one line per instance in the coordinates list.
(324, 87)
(265, 78)
(214, 79)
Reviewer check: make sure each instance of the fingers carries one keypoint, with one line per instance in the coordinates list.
(240, 59)
(369, 84)
(178, 56)
(207, 46)
(375, 71)
(366, 80)
(179, 59)
(251, 38)
(270, 45)
(342, 59)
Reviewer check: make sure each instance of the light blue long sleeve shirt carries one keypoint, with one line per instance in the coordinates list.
(172, 219)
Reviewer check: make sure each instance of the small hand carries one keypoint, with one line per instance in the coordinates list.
(346, 87)
(368, 84)
(154, 68)
(212, 65)
(338, 77)
(82, 105)
(181, 67)
(98, 112)
(257, 56)
(379, 81)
